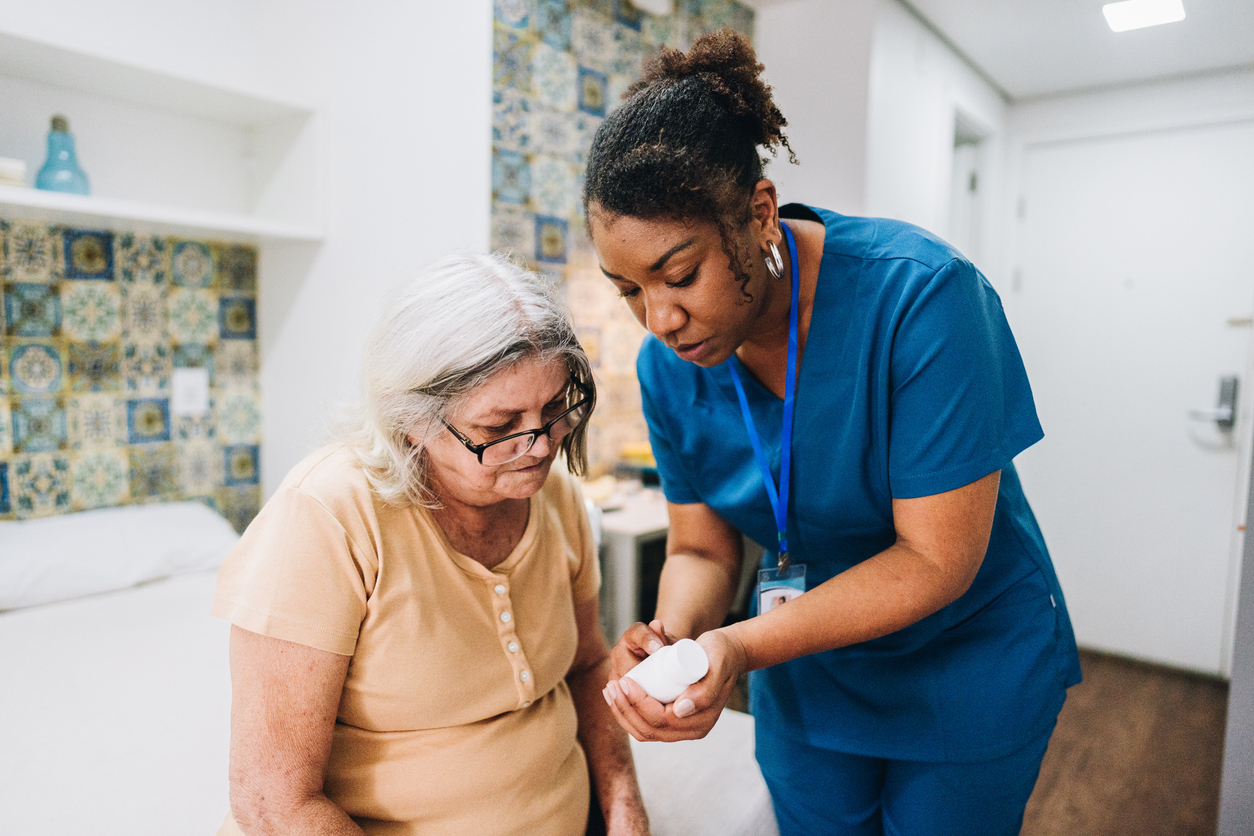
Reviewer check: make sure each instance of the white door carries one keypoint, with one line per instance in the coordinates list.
(1133, 296)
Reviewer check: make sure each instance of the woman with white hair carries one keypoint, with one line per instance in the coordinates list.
(415, 642)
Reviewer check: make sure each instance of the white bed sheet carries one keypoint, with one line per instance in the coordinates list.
(117, 720)
(117, 713)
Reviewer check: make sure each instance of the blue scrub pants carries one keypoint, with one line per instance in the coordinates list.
(818, 792)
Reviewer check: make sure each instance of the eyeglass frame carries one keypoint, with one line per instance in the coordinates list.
(535, 434)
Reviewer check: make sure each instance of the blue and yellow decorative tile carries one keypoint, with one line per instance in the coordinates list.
(592, 40)
(6, 428)
(38, 424)
(146, 368)
(94, 367)
(661, 30)
(553, 76)
(237, 319)
(40, 484)
(511, 177)
(239, 504)
(34, 368)
(96, 421)
(200, 467)
(191, 264)
(193, 315)
(237, 269)
(142, 259)
(603, 8)
(147, 420)
(91, 311)
(511, 119)
(238, 418)
(196, 356)
(585, 129)
(234, 363)
(6, 505)
(553, 21)
(626, 13)
(32, 253)
(154, 472)
(513, 230)
(556, 132)
(144, 315)
(628, 53)
(101, 479)
(196, 427)
(32, 310)
(617, 88)
(513, 13)
(552, 187)
(88, 254)
(511, 64)
(551, 239)
(242, 463)
(593, 91)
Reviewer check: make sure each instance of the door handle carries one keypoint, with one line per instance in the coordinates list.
(1225, 412)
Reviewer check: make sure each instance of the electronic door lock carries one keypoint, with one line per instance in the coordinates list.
(1225, 412)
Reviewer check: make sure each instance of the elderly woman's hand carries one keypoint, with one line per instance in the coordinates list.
(638, 643)
(696, 710)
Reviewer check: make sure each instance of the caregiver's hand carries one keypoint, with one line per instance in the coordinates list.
(696, 710)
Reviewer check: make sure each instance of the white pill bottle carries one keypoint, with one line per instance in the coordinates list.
(670, 670)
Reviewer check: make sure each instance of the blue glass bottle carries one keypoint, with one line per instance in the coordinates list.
(60, 172)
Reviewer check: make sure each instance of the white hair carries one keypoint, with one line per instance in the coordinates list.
(466, 318)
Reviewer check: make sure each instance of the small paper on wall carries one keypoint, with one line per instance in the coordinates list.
(189, 392)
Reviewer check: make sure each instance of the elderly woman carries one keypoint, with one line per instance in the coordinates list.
(416, 645)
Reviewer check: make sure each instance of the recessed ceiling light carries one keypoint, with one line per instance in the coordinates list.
(1137, 14)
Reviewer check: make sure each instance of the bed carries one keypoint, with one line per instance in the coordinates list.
(115, 689)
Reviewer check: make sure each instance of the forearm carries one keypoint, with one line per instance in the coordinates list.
(881, 595)
(317, 815)
(694, 594)
(606, 746)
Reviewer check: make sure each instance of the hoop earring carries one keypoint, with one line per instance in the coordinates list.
(774, 263)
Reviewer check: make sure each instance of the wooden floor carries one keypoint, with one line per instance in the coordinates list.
(1138, 750)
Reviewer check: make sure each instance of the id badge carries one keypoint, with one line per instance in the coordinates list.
(779, 586)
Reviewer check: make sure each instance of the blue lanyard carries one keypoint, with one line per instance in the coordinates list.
(779, 500)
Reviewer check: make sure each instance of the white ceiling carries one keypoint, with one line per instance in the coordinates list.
(1033, 48)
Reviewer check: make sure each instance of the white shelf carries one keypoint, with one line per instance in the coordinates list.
(49, 64)
(129, 216)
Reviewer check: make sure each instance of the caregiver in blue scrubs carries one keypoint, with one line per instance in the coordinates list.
(845, 391)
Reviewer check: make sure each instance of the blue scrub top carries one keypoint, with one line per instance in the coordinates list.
(910, 385)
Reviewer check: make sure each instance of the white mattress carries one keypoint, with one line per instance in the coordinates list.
(117, 713)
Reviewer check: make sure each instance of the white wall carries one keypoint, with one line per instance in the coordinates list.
(916, 85)
(408, 127)
(817, 58)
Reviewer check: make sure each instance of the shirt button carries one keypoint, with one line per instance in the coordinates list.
(525, 675)
(506, 617)
(500, 589)
(513, 647)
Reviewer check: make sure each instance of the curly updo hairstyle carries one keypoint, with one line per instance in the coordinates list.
(685, 142)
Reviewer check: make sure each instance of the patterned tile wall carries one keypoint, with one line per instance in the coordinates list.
(559, 67)
(95, 325)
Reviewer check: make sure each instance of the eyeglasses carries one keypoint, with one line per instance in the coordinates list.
(504, 450)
